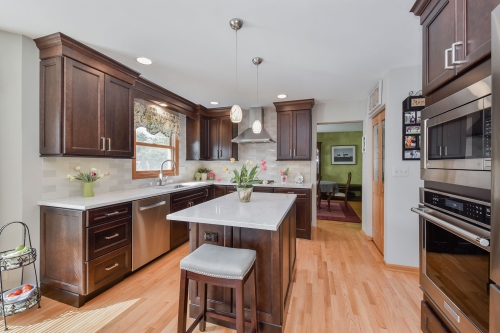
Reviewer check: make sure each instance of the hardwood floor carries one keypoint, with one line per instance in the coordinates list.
(341, 285)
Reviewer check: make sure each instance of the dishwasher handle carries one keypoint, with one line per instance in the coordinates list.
(153, 205)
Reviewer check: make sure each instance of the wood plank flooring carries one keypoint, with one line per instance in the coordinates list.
(341, 285)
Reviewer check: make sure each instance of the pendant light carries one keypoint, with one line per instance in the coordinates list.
(257, 125)
(236, 113)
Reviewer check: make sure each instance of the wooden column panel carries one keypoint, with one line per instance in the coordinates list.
(84, 109)
(51, 85)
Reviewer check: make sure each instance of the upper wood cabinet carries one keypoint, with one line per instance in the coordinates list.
(209, 135)
(86, 102)
(294, 130)
(456, 39)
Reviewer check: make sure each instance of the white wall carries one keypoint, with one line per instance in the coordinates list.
(401, 193)
(20, 166)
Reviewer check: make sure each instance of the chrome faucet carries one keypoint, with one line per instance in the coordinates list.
(164, 181)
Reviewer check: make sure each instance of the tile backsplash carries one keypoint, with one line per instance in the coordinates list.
(55, 169)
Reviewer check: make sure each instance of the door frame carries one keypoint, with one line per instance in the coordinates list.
(380, 209)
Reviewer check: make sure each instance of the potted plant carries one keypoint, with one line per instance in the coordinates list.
(211, 175)
(88, 179)
(197, 176)
(245, 180)
(204, 172)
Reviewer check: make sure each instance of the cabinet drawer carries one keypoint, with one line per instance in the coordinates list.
(230, 189)
(188, 195)
(263, 189)
(430, 322)
(107, 237)
(108, 268)
(109, 213)
(301, 193)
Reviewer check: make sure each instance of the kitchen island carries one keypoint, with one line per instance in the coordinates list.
(267, 225)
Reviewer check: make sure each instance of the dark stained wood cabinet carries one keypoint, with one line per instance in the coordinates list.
(219, 191)
(209, 135)
(86, 103)
(456, 44)
(294, 130)
(179, 231)
(430, 323)
(83, 253)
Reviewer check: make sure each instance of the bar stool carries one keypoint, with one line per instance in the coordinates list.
(219, 266)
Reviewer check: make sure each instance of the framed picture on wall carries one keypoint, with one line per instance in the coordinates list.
(343, 154)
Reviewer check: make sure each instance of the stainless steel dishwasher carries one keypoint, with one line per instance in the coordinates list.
(151, 229)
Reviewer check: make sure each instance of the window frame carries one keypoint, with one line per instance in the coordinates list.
(174, 145)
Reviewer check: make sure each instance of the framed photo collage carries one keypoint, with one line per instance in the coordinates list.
(412, 107)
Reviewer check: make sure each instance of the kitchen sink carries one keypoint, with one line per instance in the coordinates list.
(173, 187)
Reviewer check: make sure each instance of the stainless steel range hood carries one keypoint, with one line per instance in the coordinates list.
(248, 136)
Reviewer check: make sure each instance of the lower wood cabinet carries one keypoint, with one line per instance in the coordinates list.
(83, 253)
(430, 322)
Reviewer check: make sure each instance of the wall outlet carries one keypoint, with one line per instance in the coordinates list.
(211, 236)
(400, 171)
(5, 275)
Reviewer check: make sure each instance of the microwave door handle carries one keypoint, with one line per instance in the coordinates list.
(469, 236)
(445, 150)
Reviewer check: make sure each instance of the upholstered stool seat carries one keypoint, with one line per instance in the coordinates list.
(220, 262)
(220, 266)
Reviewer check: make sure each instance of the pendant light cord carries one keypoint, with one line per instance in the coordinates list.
(236, 66)
(257, 85)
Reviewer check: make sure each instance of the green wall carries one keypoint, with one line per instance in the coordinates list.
(338, 172)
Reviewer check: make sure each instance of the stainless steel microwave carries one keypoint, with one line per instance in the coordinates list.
(456, 138)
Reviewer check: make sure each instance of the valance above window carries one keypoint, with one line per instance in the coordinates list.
(156, 121)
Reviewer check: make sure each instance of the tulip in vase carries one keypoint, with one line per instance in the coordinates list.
(88, 179)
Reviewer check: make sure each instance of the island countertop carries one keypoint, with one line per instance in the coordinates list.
(265, 211)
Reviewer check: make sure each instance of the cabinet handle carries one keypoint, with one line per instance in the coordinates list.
(453, 54)
(109, 144)
(446, 66)
(445, 150)
(111, 267)
(221, 153)
(103, 143)
(111, 214)
(294, 152)
(439, 150)
(290, 151)
(114, 236)
(206, 192)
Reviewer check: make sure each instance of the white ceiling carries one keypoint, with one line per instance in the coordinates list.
(341, 127)
(327, 50)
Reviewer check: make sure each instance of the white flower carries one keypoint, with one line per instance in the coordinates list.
(102, 175)
(247, 162)
(68, 176)
(71, 178)
(77, 168)
(93, 169)
(264, 182)
(251, 163)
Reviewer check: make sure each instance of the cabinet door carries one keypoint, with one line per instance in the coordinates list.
(301, 135)
(219, 191)
(179, 230)
(213, 138)
(204, 132)
(285, 140)
(119, 117)
(303, 217)
(473, 30)
(438, 35)
(225, 137)
(83, 109)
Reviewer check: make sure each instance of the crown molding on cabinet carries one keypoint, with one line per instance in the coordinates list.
(303, 104)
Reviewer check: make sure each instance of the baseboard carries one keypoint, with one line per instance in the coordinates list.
(401, 268)
(365, 236)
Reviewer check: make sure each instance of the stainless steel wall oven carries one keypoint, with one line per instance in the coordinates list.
(455, 257)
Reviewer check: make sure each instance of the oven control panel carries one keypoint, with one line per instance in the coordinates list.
(463, 207)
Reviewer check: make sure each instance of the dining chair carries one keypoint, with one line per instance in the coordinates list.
(343, 196)
(318, 192)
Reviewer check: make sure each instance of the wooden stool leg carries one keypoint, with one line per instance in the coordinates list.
(183, 298)
(253, 301)
(240, 307)
(329, 198)
(203, 306)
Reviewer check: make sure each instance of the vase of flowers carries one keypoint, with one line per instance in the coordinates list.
(204, 173)
(88, 179)
(211, 175)
(245, 179)
(284, 175)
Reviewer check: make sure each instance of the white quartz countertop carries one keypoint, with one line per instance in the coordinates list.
(116, 197)
(265, 211)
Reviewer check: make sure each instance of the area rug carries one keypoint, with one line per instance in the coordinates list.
(339, 212)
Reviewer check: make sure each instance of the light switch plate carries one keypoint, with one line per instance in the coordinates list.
(400, 171)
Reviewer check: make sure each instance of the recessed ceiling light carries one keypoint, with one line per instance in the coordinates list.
(282, 96)
(163, 104)
(214, 103)
(144, 61)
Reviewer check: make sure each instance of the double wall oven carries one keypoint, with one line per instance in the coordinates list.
(457, 209)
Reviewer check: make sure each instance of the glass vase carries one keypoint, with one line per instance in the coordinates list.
(283, 179)
(244, 193)
(88, 190)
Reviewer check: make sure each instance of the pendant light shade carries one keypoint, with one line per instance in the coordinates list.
(257, 127)
(236, 114)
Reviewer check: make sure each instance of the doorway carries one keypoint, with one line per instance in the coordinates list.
(378, 179)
